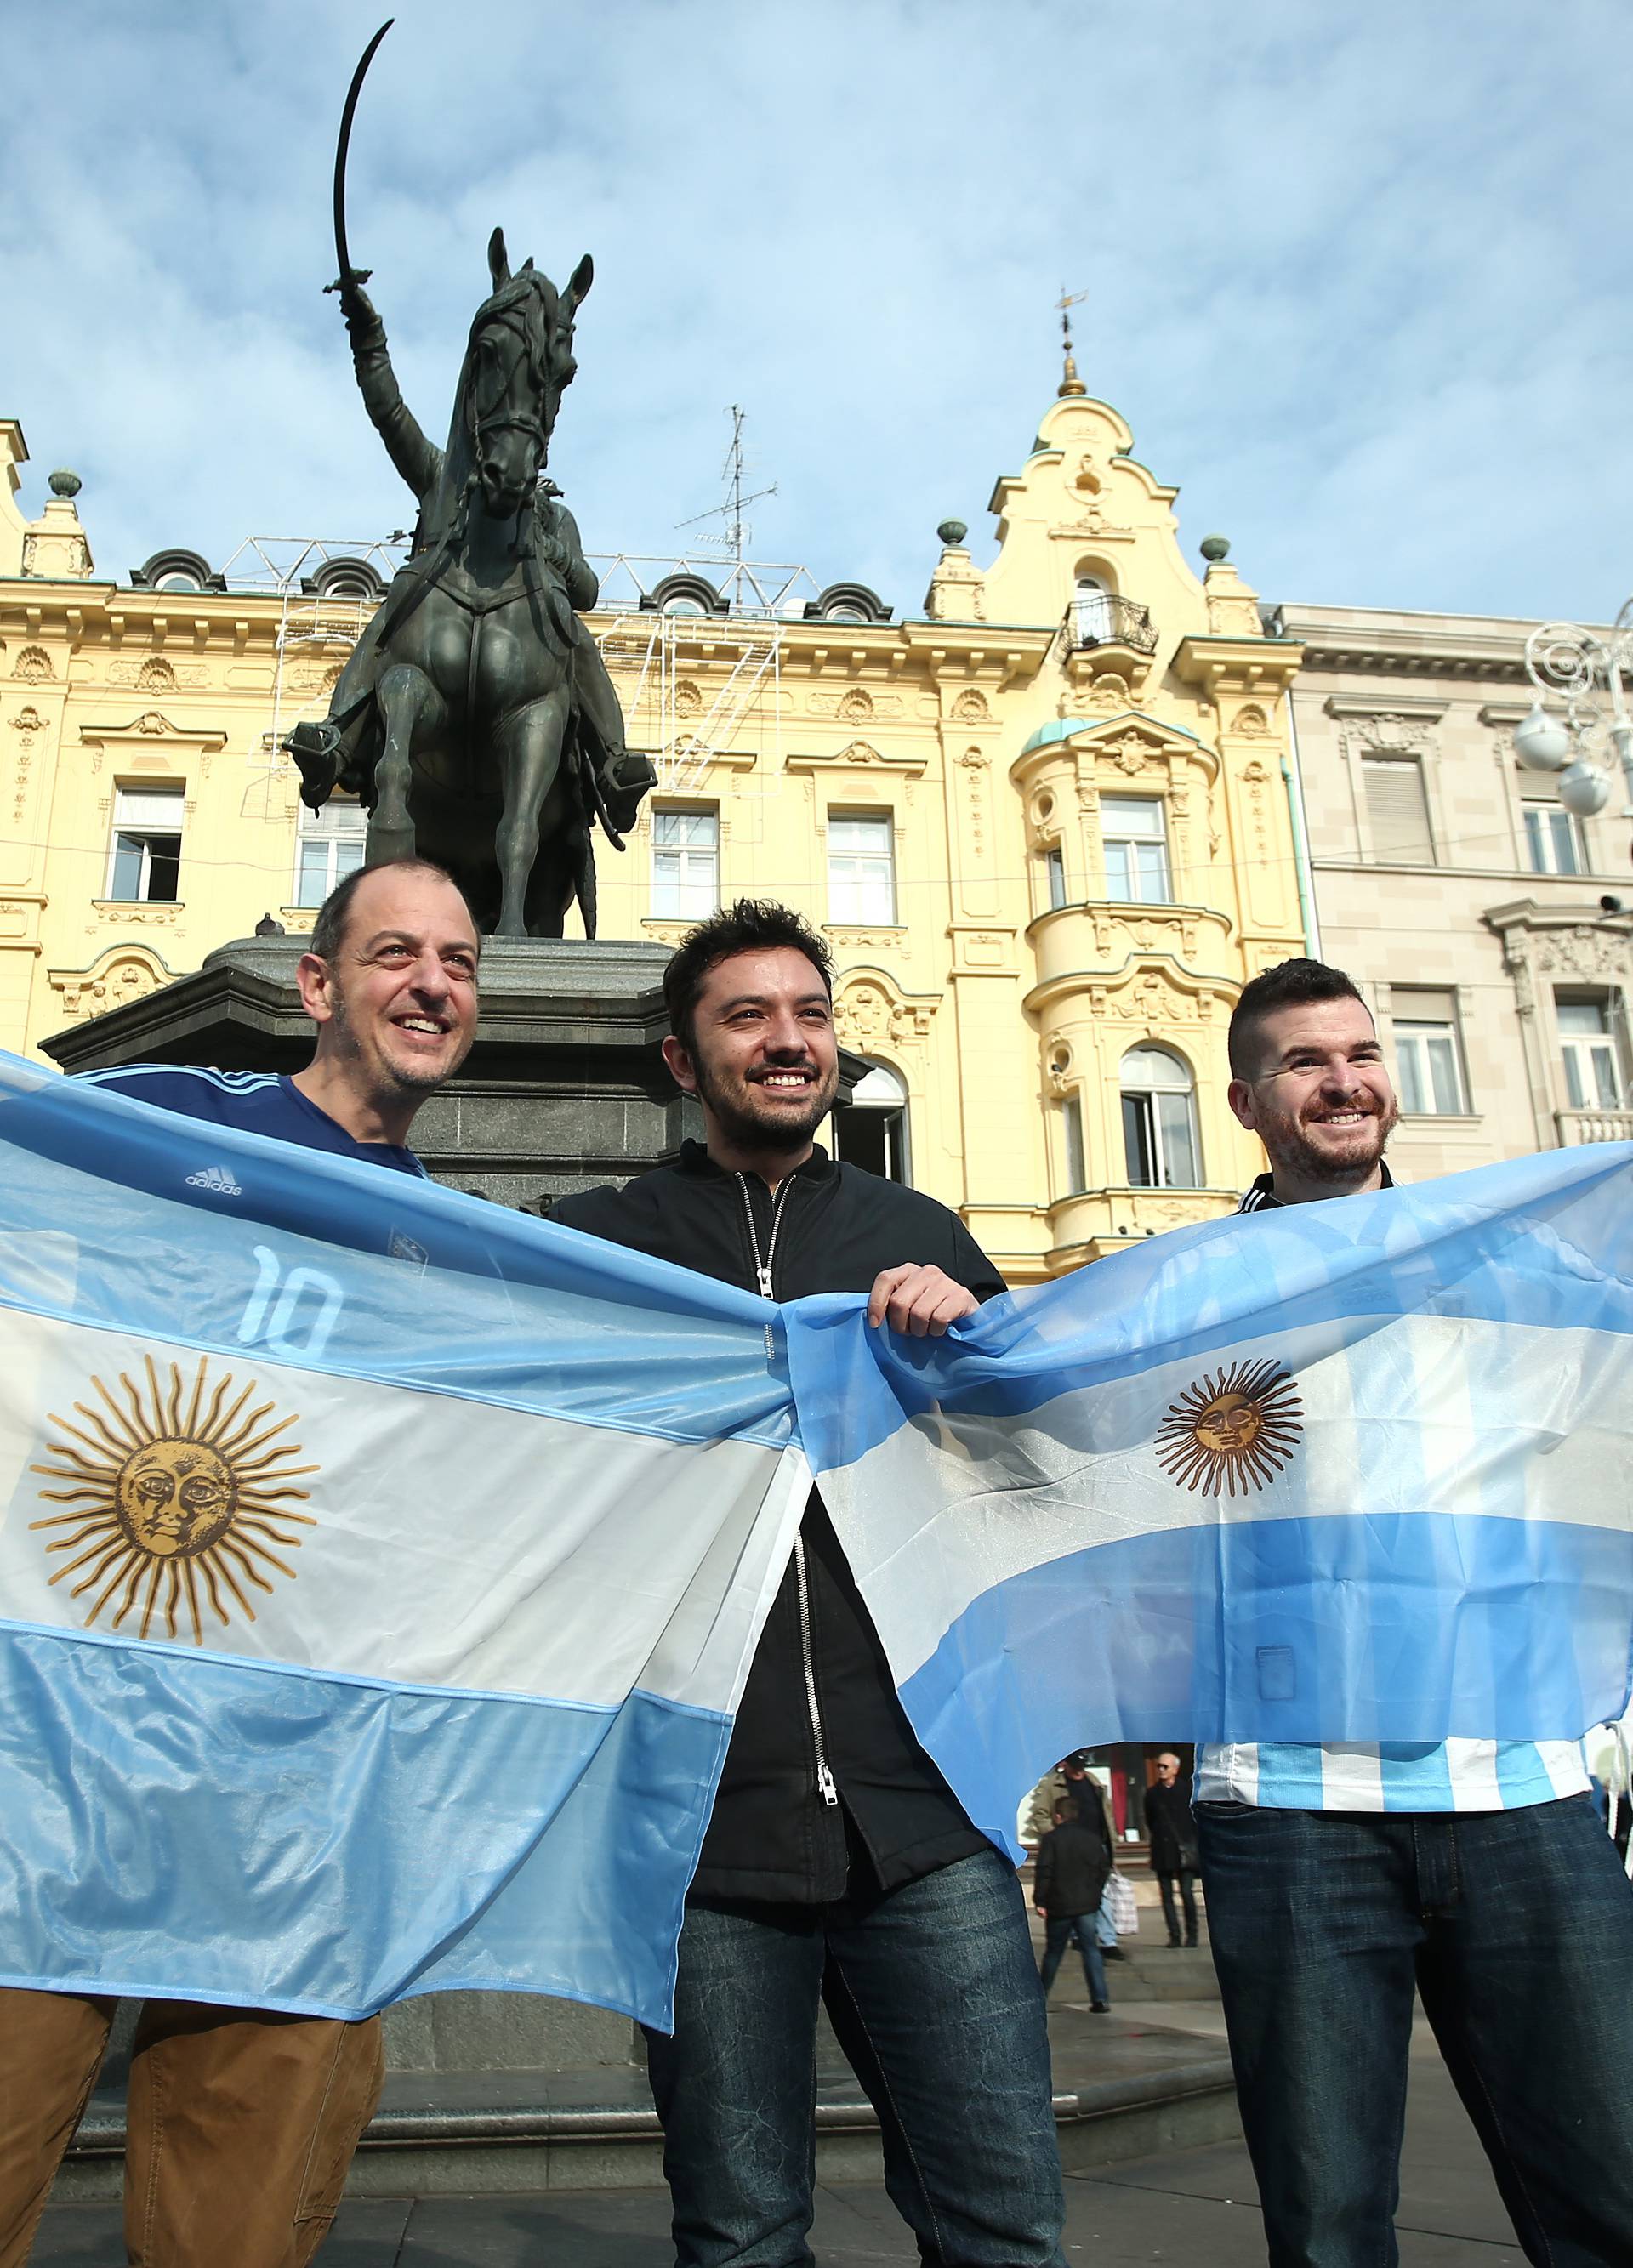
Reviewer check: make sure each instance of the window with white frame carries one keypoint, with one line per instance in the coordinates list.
(329, 847)
(1428, 1053)
(871, 1130)
(145, 856)
(685, 863)
(1136, 834)
(1397, 811)
(862, 868)
(1554, 840)
(1159, 1121)
(1591, 1046)
(1054, 877)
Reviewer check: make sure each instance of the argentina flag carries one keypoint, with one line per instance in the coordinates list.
(379, 1571)
(1353, 1472)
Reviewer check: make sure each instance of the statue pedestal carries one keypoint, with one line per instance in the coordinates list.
(565, 1088)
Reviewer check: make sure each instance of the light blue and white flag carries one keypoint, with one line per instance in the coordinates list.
(1360, 1471)
(379, 1571)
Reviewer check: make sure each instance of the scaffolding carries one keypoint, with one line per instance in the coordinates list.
(695, 685)
(315, 626)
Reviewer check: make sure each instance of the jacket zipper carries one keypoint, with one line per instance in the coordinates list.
(826, 1785)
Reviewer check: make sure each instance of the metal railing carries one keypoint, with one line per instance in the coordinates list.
(1106, 618)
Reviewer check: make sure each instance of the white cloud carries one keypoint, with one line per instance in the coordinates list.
(1353, 277)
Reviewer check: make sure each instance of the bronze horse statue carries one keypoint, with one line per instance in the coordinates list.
(475, 718)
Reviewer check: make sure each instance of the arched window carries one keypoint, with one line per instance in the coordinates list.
(872, 1132)
(1159, 1121)
(1092, 605)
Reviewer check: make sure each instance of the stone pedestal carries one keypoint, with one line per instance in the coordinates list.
(565, 1088)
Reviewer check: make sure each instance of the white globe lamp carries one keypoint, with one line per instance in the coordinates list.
(1542, 742)
(1584, 789)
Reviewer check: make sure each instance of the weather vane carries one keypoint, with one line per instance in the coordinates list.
(1070, 383)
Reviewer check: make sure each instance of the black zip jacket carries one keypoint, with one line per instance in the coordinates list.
(821, 1754)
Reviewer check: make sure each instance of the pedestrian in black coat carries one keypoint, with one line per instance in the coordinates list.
(1073, 1867)
(1171, 1826)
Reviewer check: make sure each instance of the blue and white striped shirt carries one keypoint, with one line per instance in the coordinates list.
(1391, 1775)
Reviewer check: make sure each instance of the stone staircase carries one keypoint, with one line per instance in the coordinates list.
(494, 2093)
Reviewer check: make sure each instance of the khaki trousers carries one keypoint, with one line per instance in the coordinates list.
(241, 2125)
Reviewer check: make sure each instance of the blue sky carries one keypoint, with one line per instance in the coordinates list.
(1358, 275)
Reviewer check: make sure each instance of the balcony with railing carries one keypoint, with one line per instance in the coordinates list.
(1104, 630)
(1577, 1126)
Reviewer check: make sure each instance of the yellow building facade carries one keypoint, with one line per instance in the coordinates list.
(1048, 823)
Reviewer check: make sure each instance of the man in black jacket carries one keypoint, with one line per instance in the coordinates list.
(838, 1867)
(1074, 1868)
(1171, 1826)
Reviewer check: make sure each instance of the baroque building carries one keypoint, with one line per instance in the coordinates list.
(1048, 823)
(1484, 923)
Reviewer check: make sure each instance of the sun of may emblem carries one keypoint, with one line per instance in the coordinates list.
(1232, 1432)
(180, 1492)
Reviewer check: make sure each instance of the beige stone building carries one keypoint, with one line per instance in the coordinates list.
(1046, 820)
(1480, 919)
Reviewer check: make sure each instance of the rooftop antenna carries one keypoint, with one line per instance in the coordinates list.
(1070, 383)
(736, 534)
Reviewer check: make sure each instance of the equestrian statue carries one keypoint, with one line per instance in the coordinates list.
(476, 719)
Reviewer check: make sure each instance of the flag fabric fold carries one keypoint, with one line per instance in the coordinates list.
(380, 1569)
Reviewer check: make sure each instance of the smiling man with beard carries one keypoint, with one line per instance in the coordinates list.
(1341, 1881)
(837, 1867)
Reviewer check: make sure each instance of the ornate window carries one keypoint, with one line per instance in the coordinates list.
(685, 863)
(1054, 876)
(1159, 1121)
(1136, 849)
(862, 868)
(145, 856)
(1428, 1053)
(871, 1131)
(328, 847)
(1595, 1077)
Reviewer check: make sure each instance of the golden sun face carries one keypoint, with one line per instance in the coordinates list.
(1231, 1431)
(180, 1500)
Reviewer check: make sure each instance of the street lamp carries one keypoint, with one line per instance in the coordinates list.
(1563, 657)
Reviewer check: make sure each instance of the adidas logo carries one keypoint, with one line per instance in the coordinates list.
(216, 1178)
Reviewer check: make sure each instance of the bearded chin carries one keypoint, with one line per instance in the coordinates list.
(775, 1133)
(1288, 1148)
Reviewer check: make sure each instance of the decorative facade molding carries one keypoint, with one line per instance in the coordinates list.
(115, 977)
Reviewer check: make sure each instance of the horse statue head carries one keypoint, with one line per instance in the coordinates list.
(517, 360)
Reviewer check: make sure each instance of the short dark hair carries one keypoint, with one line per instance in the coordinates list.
(751, 926)
(329, 931)
(1289, 984)
(1065, 1807)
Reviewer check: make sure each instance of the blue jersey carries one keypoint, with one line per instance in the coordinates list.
(259, 1102)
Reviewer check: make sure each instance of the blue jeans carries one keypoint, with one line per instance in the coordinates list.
(1058, 1934)
(1515, 1926)
(934, 2000)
